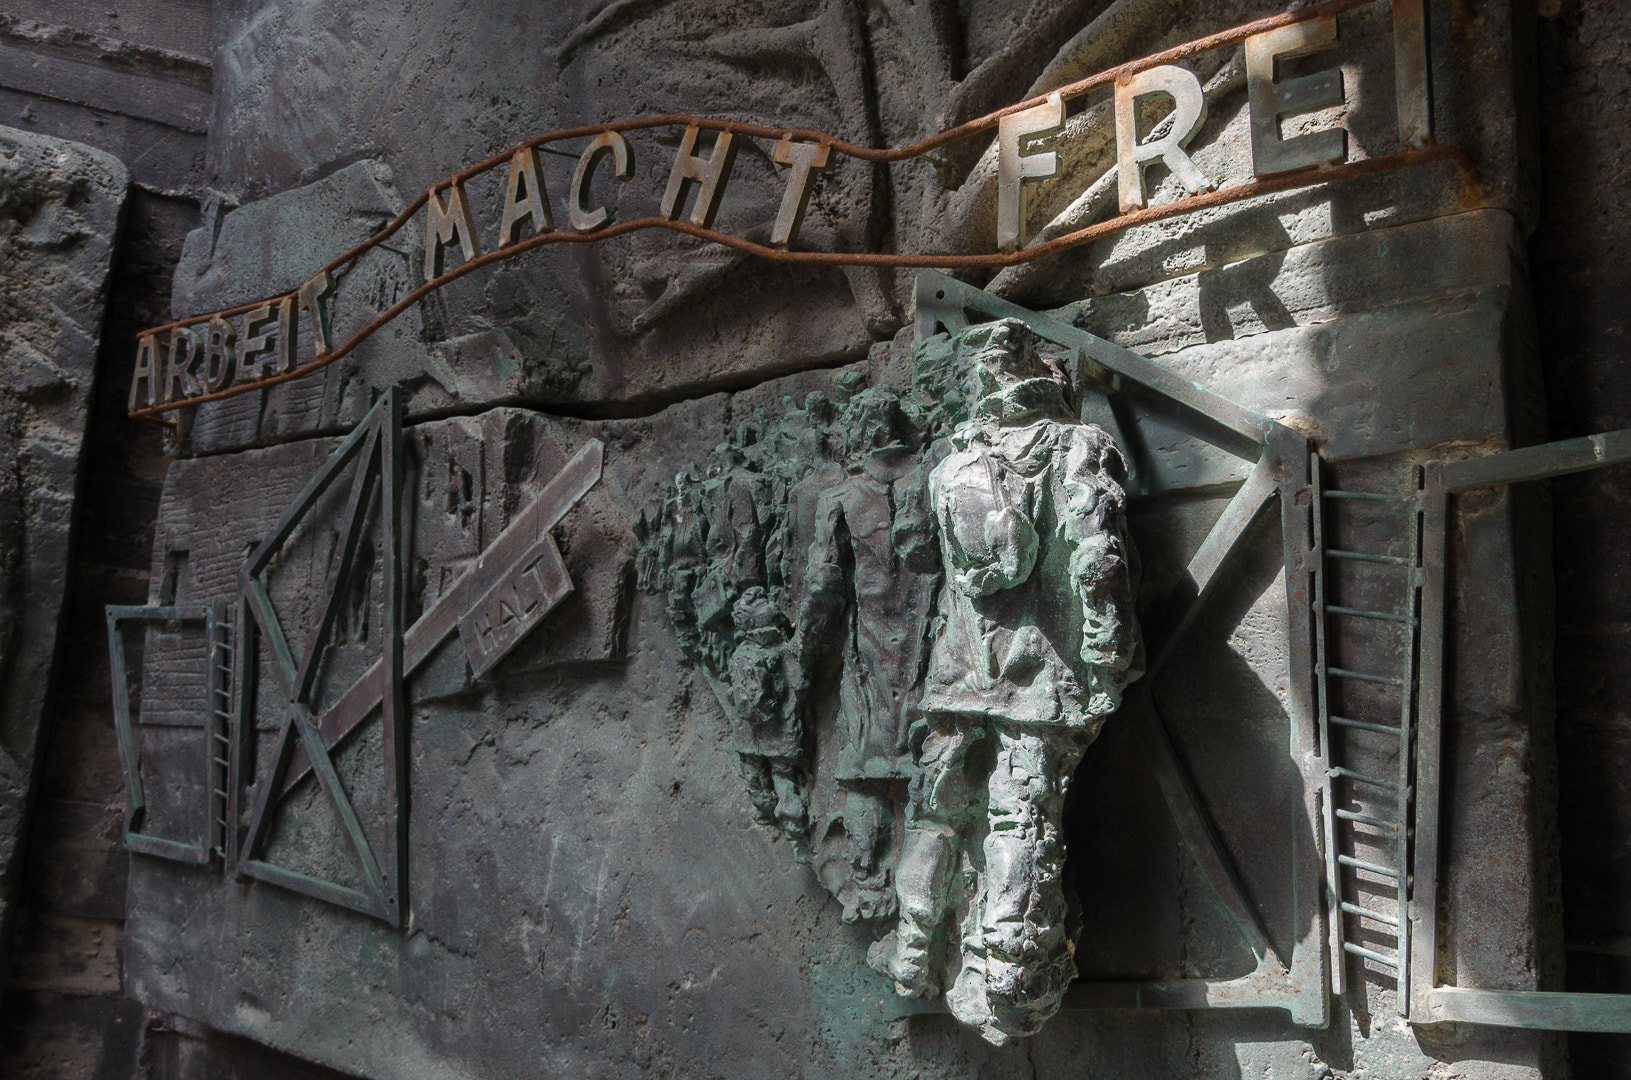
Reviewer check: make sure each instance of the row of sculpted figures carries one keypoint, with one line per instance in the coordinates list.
(916, 606)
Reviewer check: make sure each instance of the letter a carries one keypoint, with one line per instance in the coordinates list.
(147, 370)
(519, 207)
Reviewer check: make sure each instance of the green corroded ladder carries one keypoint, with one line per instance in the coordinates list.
(218, 723)
(1361, 793)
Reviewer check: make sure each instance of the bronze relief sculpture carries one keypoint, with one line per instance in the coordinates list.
(917, 608)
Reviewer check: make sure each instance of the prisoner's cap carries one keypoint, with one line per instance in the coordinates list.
(1007, 375)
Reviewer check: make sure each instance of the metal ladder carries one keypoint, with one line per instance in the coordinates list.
(1345, 809)
(219, 726)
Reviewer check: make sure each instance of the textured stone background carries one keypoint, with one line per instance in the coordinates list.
(1585, 124)
(67, 1020)
(60, 213)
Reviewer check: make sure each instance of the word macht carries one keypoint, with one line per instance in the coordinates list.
(231, 352)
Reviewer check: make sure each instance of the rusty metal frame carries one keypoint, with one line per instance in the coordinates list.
(1415, 123)
(375, 446)
(1432, 1003)
(212, 617)
(1282, 471)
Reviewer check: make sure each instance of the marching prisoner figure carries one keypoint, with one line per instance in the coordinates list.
(1038, 639)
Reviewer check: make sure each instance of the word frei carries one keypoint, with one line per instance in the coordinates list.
(216, 355)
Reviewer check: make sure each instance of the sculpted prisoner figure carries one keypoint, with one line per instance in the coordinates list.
(869, 599)
(1038, 637)
(916, 607)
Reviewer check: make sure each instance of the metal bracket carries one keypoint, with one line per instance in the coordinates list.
(1432, 1003)
(211, 764)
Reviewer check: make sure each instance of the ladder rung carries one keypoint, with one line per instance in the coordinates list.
(1363, 725)
(223, 823)
(1367, 913)
(1366, 819)
(223, 715)
(1360, 864)
(1365, 556)
(1363, 496)
(1361, 613)
(221, 793)
(1362, 676)
(225, 646)
(1360, 950)
(223, 738)
(224, 693)
(221, 762)
(1338, 770)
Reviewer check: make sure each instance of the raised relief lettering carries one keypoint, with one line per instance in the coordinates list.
(710, 172)
(311, 297)
(1015, 168)
(287, 323)
(542, 582)
(1269, 100)
(805, 158)
(220, 354)
(521, 577)
(147, 372)
(700, 171)
(514, 606)
(181, 371)
(525, 198)
(1188, 114)
(442, 224)
(584, 219)
(260, 338)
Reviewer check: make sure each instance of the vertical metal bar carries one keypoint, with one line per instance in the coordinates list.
(246, 651)
(393, 703)
(123, 726)
(1299, 494)
(1333, 872)
(1411, 87)
(1422, 906)
(1408, 699)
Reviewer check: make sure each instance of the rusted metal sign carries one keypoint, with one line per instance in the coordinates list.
(220, 355)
